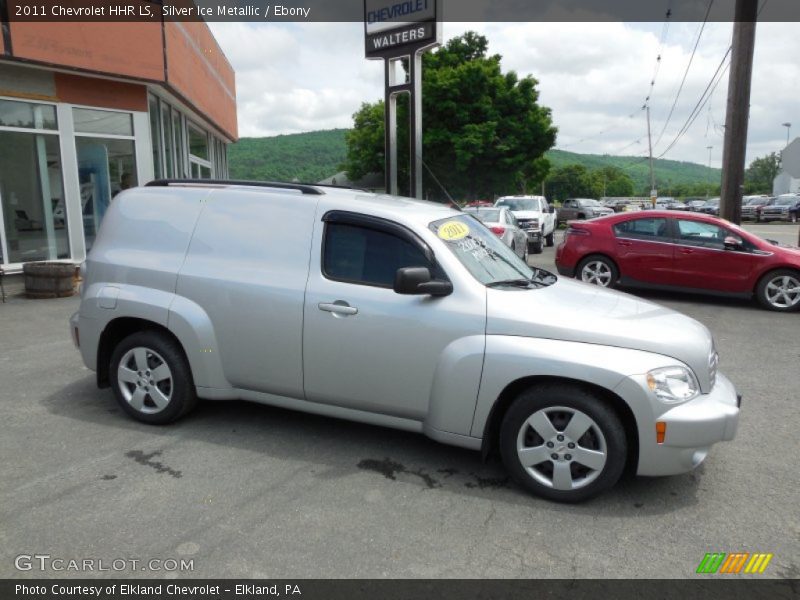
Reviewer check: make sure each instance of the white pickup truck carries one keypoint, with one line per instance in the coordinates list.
(536, 217)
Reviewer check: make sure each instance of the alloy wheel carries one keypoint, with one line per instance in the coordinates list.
(783, 291)
(145, 380)
(562, 448)
(596, 272)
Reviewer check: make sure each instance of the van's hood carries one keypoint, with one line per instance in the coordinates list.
(581, 312)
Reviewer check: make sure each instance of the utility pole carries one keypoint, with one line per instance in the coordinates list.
(653, 191)
(708, 191)
(788, 130)
(738, 113)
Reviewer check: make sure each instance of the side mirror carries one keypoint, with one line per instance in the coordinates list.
(417, 280)
(732, 243)
(551, 209)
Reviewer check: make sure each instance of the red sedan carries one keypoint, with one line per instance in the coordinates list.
(681, 251)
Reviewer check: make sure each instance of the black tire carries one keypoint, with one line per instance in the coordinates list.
(610, 265)
(575, 398)
(536, 247)
(182, 395)
(581, 216)
(763, 283)
(550, 239)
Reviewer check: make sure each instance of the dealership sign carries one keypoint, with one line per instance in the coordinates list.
(394, 27)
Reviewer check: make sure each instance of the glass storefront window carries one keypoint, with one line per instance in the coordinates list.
(102, 121)
(177, 129)
(169, 146)
(198, 143)
(105, 168)
(155, 134)
(32, 196)
(27, 115)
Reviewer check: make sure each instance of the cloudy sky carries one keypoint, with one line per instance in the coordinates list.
(594, 76)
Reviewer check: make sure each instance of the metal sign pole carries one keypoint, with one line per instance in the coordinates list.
(394, 40)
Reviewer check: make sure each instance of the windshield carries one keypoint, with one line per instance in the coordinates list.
(519, 203)
(712, 202)
(752, 201)
(487, 215)
(589, 203)
(487, 258)
(784, 200)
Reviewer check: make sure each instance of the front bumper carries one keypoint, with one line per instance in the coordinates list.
(691, 428)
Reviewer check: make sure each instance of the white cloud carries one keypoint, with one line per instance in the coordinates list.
(303, 77)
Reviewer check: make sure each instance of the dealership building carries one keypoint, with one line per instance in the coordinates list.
(90, 109)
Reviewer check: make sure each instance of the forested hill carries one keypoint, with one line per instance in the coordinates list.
(307, 157)
(315, 155)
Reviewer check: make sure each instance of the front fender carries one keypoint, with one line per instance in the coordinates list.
(455, 387)
(510, 358)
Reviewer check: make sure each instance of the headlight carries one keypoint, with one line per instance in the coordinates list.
(673, 384)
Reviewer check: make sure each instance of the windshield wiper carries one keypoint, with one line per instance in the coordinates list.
(521, 282)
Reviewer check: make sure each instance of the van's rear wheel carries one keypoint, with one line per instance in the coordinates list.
(151, 378)
(563, 443)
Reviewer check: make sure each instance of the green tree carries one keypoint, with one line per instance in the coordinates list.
(759, 175)
(483, 131)
(569, 181)
(611, 181)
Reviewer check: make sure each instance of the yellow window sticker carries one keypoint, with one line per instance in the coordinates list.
(453, 230)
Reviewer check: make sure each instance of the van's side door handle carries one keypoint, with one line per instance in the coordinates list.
(339, 307)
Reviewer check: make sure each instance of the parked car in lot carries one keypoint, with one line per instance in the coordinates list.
(667, 204)
(710, 207)
(581, 208)
(394, 312)
(781, 208)
(684, 252)
(504, 225)
(622, 205)
(751, 205)
(535, 216)
(693, 204)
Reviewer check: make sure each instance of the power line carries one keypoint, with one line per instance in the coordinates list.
(685, 73)
(715, 79)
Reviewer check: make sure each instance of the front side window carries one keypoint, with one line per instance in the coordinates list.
(366, 256)
(648, 228)
(698, 233)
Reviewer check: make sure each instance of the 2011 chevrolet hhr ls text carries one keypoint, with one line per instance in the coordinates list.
(394, 312)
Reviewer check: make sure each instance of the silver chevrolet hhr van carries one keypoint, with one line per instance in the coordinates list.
(394, 312)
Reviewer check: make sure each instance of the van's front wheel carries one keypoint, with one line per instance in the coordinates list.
(563, 443)
(151, 378)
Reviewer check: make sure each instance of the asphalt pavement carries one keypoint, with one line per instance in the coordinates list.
(243, 490)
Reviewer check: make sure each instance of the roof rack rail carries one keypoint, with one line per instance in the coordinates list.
(300, 187)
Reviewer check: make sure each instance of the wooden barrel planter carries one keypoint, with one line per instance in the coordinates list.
(49, 279)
